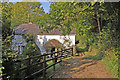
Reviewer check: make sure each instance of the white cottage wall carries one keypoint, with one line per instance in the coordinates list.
(42, 39)
(39, 44)
(45, 38)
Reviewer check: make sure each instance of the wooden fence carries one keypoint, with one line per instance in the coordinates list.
(41, 60)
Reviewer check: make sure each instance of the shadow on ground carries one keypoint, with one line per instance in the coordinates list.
(73, 65)
(79, 67)
(78, 64)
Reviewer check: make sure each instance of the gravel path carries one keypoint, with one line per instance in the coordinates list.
(78, 67)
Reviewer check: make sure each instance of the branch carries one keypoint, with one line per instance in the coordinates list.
(87, 8)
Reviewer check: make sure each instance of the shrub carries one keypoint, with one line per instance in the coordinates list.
(31, 49)
(29, 37)
(80, 49)
(8, 56)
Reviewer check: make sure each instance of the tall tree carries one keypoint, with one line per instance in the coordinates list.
(73, 15)
(62, 14)
(25, 12)
(6, 20)
(92, 19)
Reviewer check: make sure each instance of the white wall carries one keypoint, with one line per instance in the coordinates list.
(42, 39)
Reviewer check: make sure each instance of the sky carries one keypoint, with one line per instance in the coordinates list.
(45, 4)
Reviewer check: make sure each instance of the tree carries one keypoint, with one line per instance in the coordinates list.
(62, 14)
(31, 49)
(73, 15)
(92, 20)
(6, 20)
(25, 12)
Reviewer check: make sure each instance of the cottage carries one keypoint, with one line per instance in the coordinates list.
(41, 38)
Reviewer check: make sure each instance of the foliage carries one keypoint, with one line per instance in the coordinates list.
(12, 16)
(27, 11)
(29, 37)
(7, 48)
(80, 49)
(50, 70)
(31, 49)
(1, 67)
(8, 56)
(19, 13)
(67, 42)
(62, 14)
(6, 53)
(96, 24)
(90, 19)
(112, 63)
(6, 22)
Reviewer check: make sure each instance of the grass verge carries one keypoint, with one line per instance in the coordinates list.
(106, 57)
(111, 62)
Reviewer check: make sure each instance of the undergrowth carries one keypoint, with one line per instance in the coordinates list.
(107, 57)
(111, 62)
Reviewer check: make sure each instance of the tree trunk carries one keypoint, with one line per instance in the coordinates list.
(98, 22)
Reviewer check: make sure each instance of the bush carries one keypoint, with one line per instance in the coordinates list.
(31, 49)
(80, 49)
(111, 62)
(29, 37)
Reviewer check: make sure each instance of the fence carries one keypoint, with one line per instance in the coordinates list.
(26, 65)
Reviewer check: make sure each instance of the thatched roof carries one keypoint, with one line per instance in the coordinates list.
(53, 43)
(34, 29)
(27, 28)
(57, 31)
